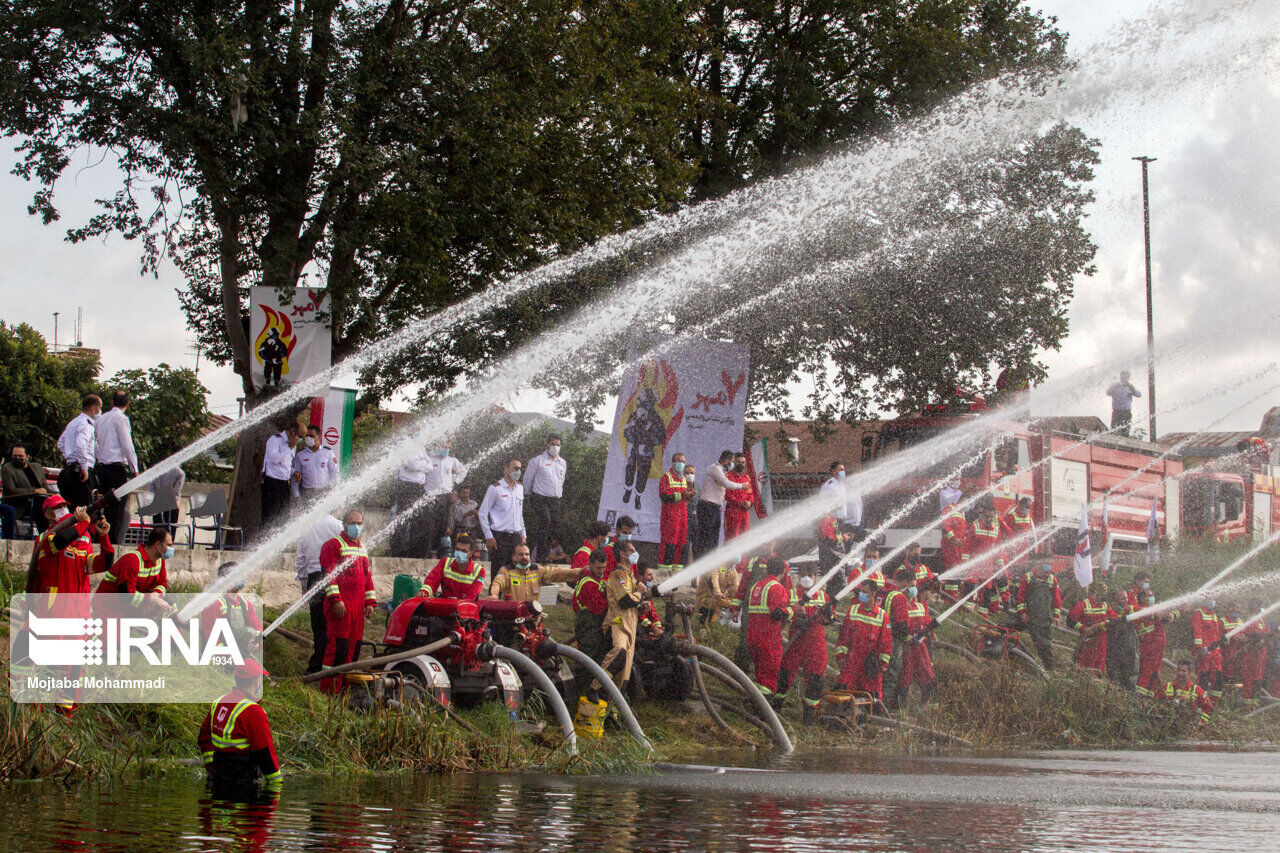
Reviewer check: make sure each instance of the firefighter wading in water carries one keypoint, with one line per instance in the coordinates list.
(235, 738)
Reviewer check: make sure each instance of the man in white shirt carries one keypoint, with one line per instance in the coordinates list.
(117, 460)
(544, 485)
(409, 537)
(444, 476)
(315, 468)
(277, 469)
(169, 483)
(846, 503)
(309, 574)
(1122, 394)
(502, 516)
(79, 447)
(711, 505)
(949, 496)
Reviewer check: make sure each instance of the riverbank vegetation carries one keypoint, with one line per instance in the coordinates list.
(987, 704)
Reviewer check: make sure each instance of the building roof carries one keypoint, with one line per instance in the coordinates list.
(1206, 444)
(215, 422)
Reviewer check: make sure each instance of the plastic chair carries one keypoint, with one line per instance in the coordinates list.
(215, 507)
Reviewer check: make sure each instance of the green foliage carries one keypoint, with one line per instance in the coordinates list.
(167, 408)
(39, 392)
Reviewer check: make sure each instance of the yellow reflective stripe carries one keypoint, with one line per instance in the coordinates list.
(762, 604)
(458, 576)
(224, 740)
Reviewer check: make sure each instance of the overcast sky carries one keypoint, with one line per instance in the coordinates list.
(1215, 199)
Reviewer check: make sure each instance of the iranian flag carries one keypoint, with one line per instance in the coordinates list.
(334, 414)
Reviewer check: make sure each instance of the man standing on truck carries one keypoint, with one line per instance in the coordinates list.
(1122, 394)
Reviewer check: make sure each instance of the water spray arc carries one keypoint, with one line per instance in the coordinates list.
(1205, 589)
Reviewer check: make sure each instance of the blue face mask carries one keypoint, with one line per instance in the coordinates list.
(911, 591)
(839, 475)
(624, 537)
(462, 556)
(168, 553)
(354, 531)
(1210, 604)
(679, 466)
(863, 597)
(443, 452)
(1146, 585)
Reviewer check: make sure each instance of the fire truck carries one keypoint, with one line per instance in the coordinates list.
(1062, 464)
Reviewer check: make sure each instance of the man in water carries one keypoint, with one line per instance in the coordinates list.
(235, 738)
(1122, 394)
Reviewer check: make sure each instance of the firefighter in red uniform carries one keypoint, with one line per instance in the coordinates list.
(924, 577)
(458, 576)
(650, 624)
(589, 609)
(597, 534)
(1232, 649)
(955, 544)
(806, 650)
(626, 527)
(674, 491)
(984, 536)
(142, 574)
(232, 606)
(1185, 692)
(738, 503)
(57, 584)
(235, 738)
(769, 606)
(909, 623)
(1207, 634)
(1254, 659)
(1152, 638)
(865, 645)
(1089, 617)
(1018, 524)
(347, 598)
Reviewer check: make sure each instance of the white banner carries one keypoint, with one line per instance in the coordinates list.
(690, 399)
(290, 342)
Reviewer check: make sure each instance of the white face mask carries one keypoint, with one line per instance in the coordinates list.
(553, 450)
(311, 442)
(806, 582)
(60, 513)
(689, 478)
(633, 557)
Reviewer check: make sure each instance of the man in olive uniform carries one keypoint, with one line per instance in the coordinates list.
(1039, 606)
(1122, 644)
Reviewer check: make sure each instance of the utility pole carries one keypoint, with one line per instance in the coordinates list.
(55, 330)
(1151, 335)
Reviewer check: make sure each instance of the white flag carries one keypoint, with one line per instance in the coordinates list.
(1083, 562)
(1106, 538)
(1153, 537)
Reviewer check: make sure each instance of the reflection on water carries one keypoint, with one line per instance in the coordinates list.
(1049, 802)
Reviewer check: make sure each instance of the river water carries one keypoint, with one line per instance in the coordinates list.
(1112, 801)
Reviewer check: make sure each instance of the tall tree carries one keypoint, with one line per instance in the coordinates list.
(39, 391)
(401, 153)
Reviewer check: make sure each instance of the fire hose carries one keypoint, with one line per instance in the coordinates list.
(619, 701)
(496, 652)
(702, 688)
(398, 656)
(762, 707)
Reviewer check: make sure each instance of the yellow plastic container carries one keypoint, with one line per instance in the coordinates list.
(589, 721)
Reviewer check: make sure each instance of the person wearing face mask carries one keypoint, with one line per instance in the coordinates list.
(142, 574)
(78, 445)
(714, 489)
(544, 485)
(1206, 635)
(843, 502)
(1038, 604)
(739, 503)
(348, 597)
(458, 576)
(24, 489)
(277, 471)
(439, 483)
(1122, 644)
(1089, 616)
(806, 650)
(597, 535)
(909, 622)
(673, 491)
(502, 515)
(1152, 638)
(865, 644)
(625, 593)
(692, 499)
(523, 579)
(626, 527)
(58, 579)
(315, 468)
(769, 606)
(1184, 691)
(650, 626)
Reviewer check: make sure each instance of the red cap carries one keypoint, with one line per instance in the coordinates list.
(53, 502)
(250, 669)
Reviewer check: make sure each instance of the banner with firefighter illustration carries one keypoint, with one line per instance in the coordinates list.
(688, 397)
(290, 342)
